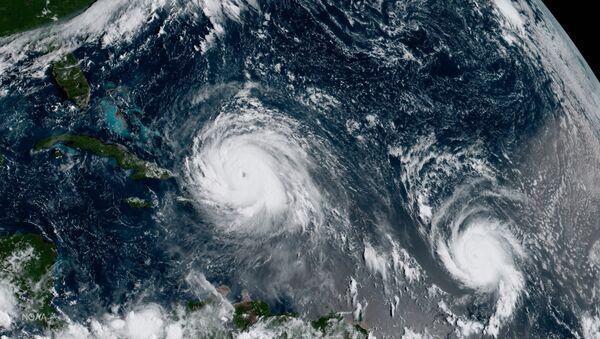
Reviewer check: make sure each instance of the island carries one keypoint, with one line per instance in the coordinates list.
(71, 80)
(141, 169)
(19, 16)
(135, 202)
(248, 313)
(328, 323)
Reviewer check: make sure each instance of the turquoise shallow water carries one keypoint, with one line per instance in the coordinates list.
(115, 119)
(421, 167)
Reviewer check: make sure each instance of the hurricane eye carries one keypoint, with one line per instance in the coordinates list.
(481, 254)
(250, 170)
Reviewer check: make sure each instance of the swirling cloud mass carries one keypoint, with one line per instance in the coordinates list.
(251, 172)
(480, 252)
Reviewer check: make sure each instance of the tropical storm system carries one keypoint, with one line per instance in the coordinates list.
(296, 169)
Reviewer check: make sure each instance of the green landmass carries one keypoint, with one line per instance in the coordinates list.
(322, 323)
(26, 262)
(331, 324)
(57, 153)
(195, 305)
(141, 169)
(247, 313)
(136, 202)
(70, 78)
(361, 330)
(22, 15)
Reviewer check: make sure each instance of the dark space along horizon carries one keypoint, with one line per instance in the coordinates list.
(581, 23)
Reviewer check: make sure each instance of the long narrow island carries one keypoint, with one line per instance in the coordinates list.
(141, 169)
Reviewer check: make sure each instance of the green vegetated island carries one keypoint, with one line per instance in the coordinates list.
(135, 202)
(141, 169)
(22, 15)
(26, 263)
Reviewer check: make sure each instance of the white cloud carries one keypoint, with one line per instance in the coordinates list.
(510, 13)
(8, 305)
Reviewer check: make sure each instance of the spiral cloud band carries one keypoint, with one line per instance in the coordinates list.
(482, 254)
(251, 172)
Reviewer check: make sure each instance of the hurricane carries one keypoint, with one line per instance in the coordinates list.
(306, 168)
(252, 172)
(477, 247)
